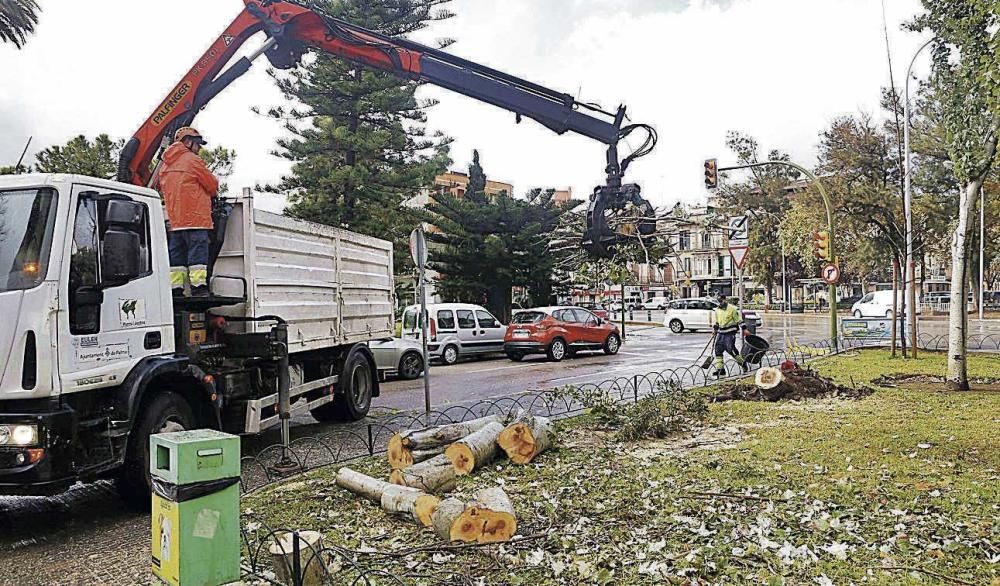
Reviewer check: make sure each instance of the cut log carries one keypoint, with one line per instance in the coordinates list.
(496, 510)
(526, 437)
(436, 475)
(476, 450)
(362, 485)
(416, 445)
(453, 522)
(410, 503)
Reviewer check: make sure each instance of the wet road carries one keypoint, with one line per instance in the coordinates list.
(86, 536)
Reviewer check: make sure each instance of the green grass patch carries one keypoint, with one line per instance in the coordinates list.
(898, 488)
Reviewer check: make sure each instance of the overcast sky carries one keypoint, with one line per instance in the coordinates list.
(778, 69)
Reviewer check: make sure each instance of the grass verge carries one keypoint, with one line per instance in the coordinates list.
(898, 488)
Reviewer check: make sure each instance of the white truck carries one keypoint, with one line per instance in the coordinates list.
(96, 354)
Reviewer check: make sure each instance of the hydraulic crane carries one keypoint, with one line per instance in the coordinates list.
(292, 29)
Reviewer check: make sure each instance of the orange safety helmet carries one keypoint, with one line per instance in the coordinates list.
(188, 132)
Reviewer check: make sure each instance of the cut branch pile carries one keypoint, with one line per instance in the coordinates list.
(416, 445)
(790, 383)
(427, 461)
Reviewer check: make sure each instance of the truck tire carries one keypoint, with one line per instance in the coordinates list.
(166, 412)
(354, 397)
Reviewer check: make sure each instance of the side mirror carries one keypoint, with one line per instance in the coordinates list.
(122, 258)
(127, 215)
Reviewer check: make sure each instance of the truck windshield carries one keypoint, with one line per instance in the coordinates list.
(27, 217)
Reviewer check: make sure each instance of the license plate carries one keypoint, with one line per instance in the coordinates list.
(521, 335)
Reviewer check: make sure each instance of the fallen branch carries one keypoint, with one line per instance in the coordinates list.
(410, 502)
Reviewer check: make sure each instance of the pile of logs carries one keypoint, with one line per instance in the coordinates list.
(426, 463)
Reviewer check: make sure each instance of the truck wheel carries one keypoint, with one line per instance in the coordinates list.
(354, 397)
(167, 412)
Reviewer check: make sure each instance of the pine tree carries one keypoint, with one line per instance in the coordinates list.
(359, 144)
(487, 247)
(81, 156)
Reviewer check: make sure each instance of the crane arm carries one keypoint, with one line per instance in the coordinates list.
(293, 29)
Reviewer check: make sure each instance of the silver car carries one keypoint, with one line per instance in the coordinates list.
(399, 358)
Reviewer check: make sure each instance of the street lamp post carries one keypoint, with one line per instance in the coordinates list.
(911, 295)
(830, 228)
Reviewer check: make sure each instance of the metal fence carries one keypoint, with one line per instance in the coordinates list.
(369, 438)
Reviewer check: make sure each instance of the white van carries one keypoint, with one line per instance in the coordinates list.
(656, 303)
(456, 330)
(878, 304)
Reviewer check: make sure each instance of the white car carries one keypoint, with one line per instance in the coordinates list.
(656, 304)
(456, 330)
(877, 304)
(696, 314)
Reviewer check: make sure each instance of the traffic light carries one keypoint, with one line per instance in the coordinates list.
(711, 174)
(822, 242)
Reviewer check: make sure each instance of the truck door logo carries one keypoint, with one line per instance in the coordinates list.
(132, 312)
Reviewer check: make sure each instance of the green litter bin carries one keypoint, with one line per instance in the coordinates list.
(196, 507)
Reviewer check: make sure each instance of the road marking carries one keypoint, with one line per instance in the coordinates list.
(635, 354)
(500, 368)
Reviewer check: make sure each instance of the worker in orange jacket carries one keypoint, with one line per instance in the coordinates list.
(188, 187)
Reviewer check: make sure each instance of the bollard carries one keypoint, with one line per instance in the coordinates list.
(196, 507)
(631, 316)
(649, 315)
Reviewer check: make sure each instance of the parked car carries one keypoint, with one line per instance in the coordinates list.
(696, 314)
(456, 330)
(396, 357)
(616, 306)
(878, 304)
(594, 308)
(559, 332)
(656, 304)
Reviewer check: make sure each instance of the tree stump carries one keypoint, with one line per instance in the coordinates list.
(416, 445)
(474, 451)
(436, 475)
(311, 565)
(526, 437)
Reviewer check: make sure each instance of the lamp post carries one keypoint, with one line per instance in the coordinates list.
(911, 295)
(830, 228)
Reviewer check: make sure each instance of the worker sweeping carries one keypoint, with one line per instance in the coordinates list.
(727, 322)
(188, 186)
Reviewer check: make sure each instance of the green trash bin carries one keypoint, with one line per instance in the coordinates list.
(196, 508)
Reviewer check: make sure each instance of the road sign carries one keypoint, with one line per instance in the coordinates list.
(831, 274)
(418, 247)
(739, 231)
(739, 254)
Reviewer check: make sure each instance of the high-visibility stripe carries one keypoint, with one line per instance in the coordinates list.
(178, 276)
(199, 275)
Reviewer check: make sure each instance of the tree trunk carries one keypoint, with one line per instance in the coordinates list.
(451, 522)
(496, 509)
(417, 506)
(958, 375)
(475, 450)
(526, 437)
(436, 475)
(416, 445)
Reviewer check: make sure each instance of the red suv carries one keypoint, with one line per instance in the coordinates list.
(559, 332)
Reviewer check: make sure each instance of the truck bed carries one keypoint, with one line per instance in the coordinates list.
(334, 287)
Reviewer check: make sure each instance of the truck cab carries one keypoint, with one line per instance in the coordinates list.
(95, 354)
